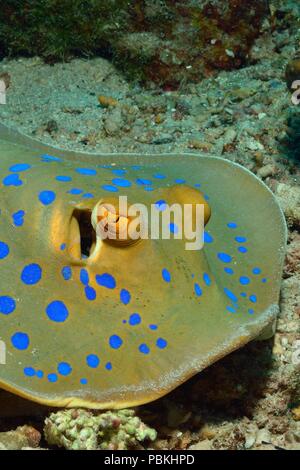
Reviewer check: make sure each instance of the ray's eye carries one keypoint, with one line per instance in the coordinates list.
(112, 224)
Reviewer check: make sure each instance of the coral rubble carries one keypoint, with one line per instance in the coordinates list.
(22, 437)
(85, 430)
(165, 41)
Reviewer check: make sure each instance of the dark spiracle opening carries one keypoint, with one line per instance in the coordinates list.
(86, 230)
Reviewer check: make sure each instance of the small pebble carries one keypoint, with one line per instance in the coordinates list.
(267, 170)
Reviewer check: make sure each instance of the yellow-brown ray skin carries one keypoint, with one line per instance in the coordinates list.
(199, 332)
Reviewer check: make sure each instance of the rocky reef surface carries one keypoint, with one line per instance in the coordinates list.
(165, 41)
(251, 398)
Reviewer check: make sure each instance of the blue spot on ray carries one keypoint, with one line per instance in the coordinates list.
(173, 228)
(119, 172)
(18, 218)
(224, 257)
(84, 276)
(240, 239)
(166, 275)
(75, 191)
(106, 280)
(230, 295)
(20, 340)
(66, 273)
(161, 205)
(115, 342)
(12, 180)
(50, 158)
(122, 182)
(47, 197)
(256, 270)
(64, 368)
(57, 311)
(207, 238)
(4, 250)
(86, 171)
(161, 343)
(90, 293)
(29, 371)
(143, 181)
(134, 319)
(230, 309)
(110, 188)
(125, 296)
(92, 361)
(244, 280)
(20, 167)
(52, 377)
(197, 289)
(206, 279)
(31, 274)
(63, 179)
(7, 305)
(144, 349)
(229, 271)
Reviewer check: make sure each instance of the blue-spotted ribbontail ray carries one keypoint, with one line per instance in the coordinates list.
(110, 325)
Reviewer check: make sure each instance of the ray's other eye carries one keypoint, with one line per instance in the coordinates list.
(183, 195)
(113, 225)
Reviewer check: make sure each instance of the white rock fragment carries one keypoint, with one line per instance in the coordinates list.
(267, 170)
(254, 145)
(263, 437)
(229, 136)
(230, 53)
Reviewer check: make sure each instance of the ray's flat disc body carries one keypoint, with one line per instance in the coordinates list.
(134, 323)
